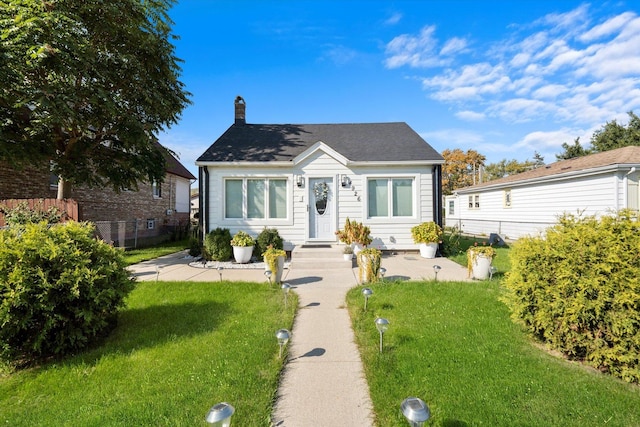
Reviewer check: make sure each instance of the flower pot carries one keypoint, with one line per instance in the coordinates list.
(347, 257)
(481, 267)
(242, 254)
(428, 250)
(357, 247)
(276, 276)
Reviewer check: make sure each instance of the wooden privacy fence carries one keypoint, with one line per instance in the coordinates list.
(68, 207)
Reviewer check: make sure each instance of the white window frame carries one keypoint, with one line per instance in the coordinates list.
(415, 182)
(266, 219)
(474, 201)
(507, 198)
(451, 208)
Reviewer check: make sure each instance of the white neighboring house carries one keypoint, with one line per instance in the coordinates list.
(529, 202)
(305, 180)
(195, 205)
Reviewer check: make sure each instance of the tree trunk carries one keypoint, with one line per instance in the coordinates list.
(64, 189)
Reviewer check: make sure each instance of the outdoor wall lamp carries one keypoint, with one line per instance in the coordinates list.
(300, 181)
(382, 324)
(415, 411)
(282, 336)
(346, 181)
(220, 415)
(367, 293)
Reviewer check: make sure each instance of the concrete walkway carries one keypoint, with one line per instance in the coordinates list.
(323, 382)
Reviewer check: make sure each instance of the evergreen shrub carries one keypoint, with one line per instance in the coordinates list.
(267, 237)
(217, 245)
(60, 289)
(577, 289)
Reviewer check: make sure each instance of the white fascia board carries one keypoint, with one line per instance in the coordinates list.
(320, 146)
(246, 164)
(547, 178)
(398, 163)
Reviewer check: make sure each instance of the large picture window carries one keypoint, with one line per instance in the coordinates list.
(390, 197)
(255, 198)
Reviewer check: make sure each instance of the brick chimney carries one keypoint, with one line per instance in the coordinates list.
(240, 111)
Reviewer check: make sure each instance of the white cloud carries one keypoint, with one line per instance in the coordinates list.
(421, 51)
(393, 19)
(611, 26)
(454, 45)
(470, 116)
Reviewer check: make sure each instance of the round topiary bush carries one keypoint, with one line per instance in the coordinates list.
(60, 288)
(267, 237)
(577, 289)
(217, 245)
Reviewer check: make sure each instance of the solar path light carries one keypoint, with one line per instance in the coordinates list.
(436, 269)
(492, 271)
(382, 324)
(415, 411)
(283, 336)
(367, 293)
(383, 271)
(220, 272)
(220, 415)
(268, 274)
(285, 290)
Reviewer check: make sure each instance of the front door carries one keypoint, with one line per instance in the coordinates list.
(321, 204)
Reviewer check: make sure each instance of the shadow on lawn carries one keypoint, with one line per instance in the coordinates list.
(147, 327)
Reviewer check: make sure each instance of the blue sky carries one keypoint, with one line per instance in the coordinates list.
(500, 77)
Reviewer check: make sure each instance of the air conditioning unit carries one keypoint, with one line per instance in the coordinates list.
(169, 211)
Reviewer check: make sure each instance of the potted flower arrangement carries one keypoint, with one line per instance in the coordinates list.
(347, 253)
(428, 235)
(242, 245)
(274, 261)
(369, 261)
(479, 260)
(356, 234)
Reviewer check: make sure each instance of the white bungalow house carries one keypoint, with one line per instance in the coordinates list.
(529, 202)
(306, 179)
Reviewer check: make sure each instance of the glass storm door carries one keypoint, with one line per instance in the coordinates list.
(321, 224)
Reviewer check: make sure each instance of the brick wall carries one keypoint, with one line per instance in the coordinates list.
(100, 204)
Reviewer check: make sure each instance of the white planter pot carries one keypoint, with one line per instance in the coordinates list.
(357, 248)
(242, 254)
(428, 250)
(481, 267)
(276, 276)
(347, 257)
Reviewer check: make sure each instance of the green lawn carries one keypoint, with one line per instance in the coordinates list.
(134, 256)
(179, 348)
(454, 346)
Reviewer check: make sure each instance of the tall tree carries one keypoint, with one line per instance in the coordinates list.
(507, 167)
(613, 135)
(571, 151)
(88, 85)
(461, 169)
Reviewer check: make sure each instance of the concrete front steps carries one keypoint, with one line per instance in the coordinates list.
(319, 257)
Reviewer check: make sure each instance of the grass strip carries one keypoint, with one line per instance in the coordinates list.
(179, 348)
(454, 346)
(134, 256)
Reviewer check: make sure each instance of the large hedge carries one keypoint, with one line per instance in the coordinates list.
(578, 290)
(217, 245)
(60, 288)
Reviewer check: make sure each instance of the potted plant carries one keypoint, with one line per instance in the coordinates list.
(428, 235)
(347, 253)
(346, 234)
(479, 260)
(369, 261)
(274, 261)
(242, 245)
(356, 234)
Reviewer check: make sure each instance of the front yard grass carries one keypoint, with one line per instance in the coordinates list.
(454, 346)
(134, 256)
(178, 349)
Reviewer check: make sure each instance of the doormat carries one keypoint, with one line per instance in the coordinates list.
(316, 246)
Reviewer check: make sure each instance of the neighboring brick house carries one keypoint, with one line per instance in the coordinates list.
(127, 218)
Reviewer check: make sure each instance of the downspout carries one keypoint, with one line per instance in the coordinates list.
(436, 181)
(203, 177)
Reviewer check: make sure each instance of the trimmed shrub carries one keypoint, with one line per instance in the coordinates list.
(217, 245)
(267, 237)
(60, 288)
(578, 290)
(22, 214)
(194, 247)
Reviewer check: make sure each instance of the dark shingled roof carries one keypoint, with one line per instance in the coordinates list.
(621, 156)
(359, 142)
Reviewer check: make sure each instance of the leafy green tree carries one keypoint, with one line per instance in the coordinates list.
(613, 135)
(506, 168)
(88, 85)
(571, 151)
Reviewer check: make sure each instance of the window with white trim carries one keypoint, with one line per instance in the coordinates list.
(390, 197)
(452, 207)
(157, 189)
(255, 198)
(474, 201)
(507, 198)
